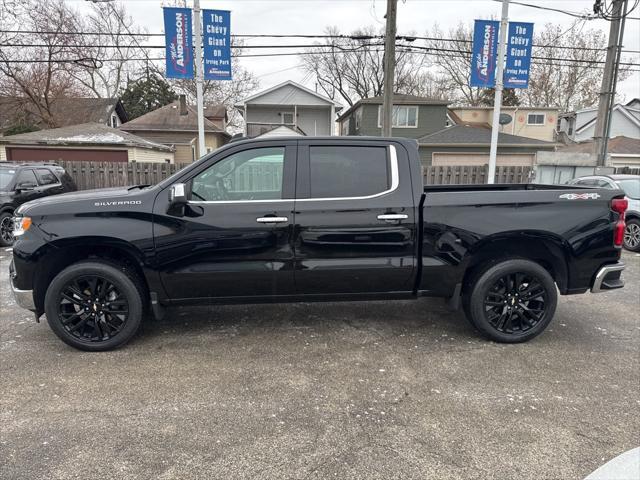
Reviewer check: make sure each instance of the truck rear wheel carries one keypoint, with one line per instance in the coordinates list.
(512, 301)
(94, 306)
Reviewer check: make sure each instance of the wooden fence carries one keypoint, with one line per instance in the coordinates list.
(628, 170)
(89, 175)
(461, 174)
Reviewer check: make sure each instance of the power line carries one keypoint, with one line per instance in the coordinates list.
(311, 36)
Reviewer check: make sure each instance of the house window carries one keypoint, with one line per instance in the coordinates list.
(114, 121)
(404, 116)
(358, 117)
(287, 118)
(535, 119)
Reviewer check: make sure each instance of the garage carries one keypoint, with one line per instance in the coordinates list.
(479, 159)
(463, 145)
(89, 142)
(49, 154)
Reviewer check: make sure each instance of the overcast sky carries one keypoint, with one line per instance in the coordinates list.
(414, 16)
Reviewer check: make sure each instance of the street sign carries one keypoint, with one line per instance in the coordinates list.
(177, 33)
(484, 54)
(519, 46)
(217, 44)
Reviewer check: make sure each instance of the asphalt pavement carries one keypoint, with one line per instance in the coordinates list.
(376, 390)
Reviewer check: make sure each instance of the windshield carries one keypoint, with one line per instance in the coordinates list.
(631, 187)
(6, 174)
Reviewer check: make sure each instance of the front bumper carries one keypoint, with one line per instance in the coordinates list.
(608, 278)
(24, 298)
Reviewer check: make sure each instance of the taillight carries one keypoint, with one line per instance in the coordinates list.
(619, 205)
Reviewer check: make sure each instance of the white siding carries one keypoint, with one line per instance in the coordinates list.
(620, 125)
(288, 95)
(3, 154)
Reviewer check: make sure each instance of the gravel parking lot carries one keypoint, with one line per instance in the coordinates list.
(349, 391)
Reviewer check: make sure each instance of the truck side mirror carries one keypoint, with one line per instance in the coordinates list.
(177, 194)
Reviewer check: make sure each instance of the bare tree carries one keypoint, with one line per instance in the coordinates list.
(113, 58)
(567, 78)
(37, 76)
(351, 68)
(564, 72)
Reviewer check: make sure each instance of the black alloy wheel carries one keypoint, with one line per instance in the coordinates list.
(511, 301)
(515, 303)
(6, 229)
(95, 305)
(92, 308)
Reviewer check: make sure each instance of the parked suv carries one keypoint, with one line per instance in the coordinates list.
(630, 184)
(22, 182)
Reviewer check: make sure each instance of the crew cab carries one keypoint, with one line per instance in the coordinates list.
(312, 219)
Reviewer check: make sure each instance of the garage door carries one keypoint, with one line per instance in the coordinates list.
(479, 159)
(65, 154)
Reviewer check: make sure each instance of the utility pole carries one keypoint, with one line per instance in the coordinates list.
(389, 67)
(199, 77)
(609, 80)
(497, 99)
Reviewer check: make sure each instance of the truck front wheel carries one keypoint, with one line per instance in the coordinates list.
(94, 305)
(512, 301)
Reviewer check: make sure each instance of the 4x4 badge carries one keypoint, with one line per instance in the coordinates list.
(580, 196)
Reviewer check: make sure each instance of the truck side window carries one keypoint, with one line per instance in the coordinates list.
(339, 172)
(254, 174)
(46, 177)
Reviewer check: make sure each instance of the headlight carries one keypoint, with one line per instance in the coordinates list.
(21, 225)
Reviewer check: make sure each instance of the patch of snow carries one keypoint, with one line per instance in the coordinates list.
(93, 138)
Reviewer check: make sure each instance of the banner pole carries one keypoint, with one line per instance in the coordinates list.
(199, 77)
(497, 100)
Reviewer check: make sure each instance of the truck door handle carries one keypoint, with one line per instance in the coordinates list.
(393, 217)
(272, 219)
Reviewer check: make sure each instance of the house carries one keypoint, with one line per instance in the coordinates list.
(413, 116)
(579, 126)
(469, 145)
(176, 125)
(65, 112)
(531, 122)
(85, 142)
(289, 104)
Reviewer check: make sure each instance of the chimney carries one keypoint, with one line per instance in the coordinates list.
(183, 105)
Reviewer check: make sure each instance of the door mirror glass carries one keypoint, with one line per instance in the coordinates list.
(178, 194)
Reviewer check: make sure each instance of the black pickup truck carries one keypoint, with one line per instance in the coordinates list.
(312, 219)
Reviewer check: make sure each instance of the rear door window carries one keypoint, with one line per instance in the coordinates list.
(46, 176)
(26, 177)
(345, 171)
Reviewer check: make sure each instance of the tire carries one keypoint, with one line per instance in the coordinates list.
(494, 301)
(632, 235)
(6, 229)
(79, 320)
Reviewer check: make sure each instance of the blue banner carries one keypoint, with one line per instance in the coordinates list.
(217, 44)
(519, 46)
(485, 51)
(177, 34)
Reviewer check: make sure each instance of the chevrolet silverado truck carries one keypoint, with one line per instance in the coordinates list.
(312, 219)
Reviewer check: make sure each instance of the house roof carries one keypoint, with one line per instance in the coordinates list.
(293, 84)
(398, 99)
(215, 111)
(283, 131)
(463, 135)
(616, 145)
(85, 134)
(168, 118)
(65, 111)
(623, 109)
